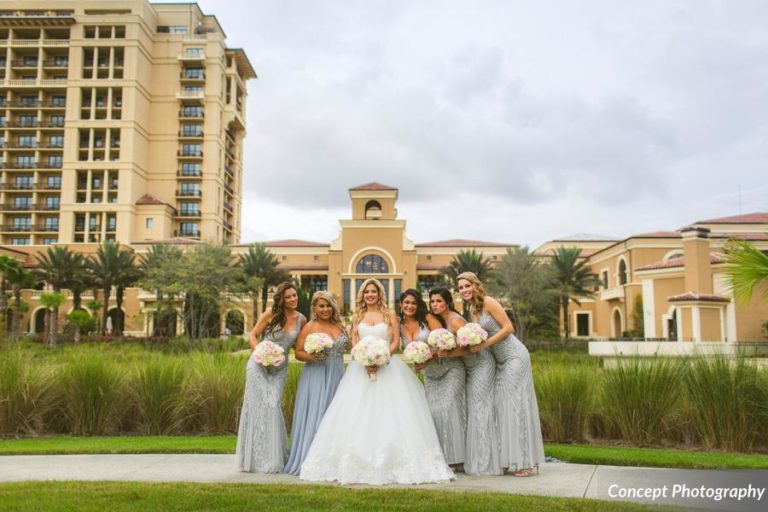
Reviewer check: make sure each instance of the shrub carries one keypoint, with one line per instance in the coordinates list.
(158, 389)
(25, 393)
(639, 397)
(215, 393)
(565, 401)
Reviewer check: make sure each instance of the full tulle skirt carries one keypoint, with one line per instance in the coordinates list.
(377, 432)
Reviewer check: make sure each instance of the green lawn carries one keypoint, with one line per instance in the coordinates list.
(583, 454)
(129, 497)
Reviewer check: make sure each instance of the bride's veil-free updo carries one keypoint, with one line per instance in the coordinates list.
(361, 308)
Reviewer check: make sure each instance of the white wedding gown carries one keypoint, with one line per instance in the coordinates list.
(377, 432)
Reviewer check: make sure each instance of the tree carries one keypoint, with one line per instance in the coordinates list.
(81, 321)
(112, 266)
(52, 301)
(572, 279)
(158, 273)
(638, 318)
(261, 269)
(8, 265)
(60, 268)
(525, 287)
(19, 279)
(746, 268)
(468, 261)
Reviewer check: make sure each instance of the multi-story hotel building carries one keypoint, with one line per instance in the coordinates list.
(119, 120)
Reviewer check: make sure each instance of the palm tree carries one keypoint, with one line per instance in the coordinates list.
(469, 261)
(52, 301)
(261, 270)
(20, 279)
(746, 268)
(60, 268)
(572, 279)
(8, 265)
(111, 266)
(128, 275)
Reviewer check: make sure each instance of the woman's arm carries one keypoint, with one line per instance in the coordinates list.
(355, 336)
(258, 329)
(494, 309)
(394, 327)
(301, 354)
(456, 323)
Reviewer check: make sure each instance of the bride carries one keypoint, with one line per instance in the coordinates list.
(377, 431)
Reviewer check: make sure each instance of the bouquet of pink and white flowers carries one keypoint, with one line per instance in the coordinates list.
(417, 352)
(371, 351)
(471, 334)
(317, 342)
(269, 354)
(441, 339)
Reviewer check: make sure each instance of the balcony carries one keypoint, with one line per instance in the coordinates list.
(190, 95)
(229, 189)
(189, 213)
(190, 153)
(183, 134)
(189, 233)
(189, 174)
(192, 56)
(17, 228)
(24, 63)
(56, 63)
(612, 293)
(192, 76)
(18, 186)
(189, 193)
(228, 207)
(33, 82)
(191, 114)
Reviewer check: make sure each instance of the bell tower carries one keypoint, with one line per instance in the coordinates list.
(373, 202)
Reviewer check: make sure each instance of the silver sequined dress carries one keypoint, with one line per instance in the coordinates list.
(515, 407)
(261, 436)
(445, 382)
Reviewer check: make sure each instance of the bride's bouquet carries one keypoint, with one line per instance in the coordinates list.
(471, 334)
(371, 351)
(417, 352)
(269, 354)
(317, 343)
(441, 339)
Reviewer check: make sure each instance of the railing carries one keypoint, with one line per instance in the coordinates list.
(189, 174)
(191, 115)
(191, 135)
(33, 82)
(194, 213)
(188, 233)
(190, 153)
(189, 193)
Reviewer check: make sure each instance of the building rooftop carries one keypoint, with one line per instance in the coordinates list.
(704, 297)
(679, 262)
(294, 243)
(150, 199)
(586, 237)
(460, 242)
(747, 218)
(373, 186)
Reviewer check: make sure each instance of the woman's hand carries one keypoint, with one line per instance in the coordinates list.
(371, 370)
(317, 357)
(477, 348)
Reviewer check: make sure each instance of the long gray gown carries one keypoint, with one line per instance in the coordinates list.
(261, 437)
(515, 407)
(317, 385)
(445, 382)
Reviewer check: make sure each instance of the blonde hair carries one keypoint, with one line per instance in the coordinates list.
(331, 300)
(478, 294)
(361, 308)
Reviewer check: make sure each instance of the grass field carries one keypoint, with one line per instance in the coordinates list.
(577, 453)
(135, 497)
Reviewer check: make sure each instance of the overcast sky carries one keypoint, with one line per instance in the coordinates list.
(505, 121)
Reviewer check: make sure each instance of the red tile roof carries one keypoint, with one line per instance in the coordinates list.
(428, 267)
(679, 262)
(150, 199)
(373, 186)
(168, 241)
(703, 297)
(459, 242)
(747, 218)
(741, 236)
(294, 243)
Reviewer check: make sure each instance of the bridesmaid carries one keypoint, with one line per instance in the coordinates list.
(481, 455)
(515, 406)
(444, 380)
(261, 437)
(319, 378)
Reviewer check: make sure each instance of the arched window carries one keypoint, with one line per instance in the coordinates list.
(622, 272)
(372, 264)
(372, 210)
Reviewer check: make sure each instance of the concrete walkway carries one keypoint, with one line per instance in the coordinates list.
(556, 479)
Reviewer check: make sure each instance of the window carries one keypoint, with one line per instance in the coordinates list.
(28, 101)
(190, 189)
(148, 222)
(21, 223)
(193, 111)
(56, 141)
(55, 161)
(192, 130)
(52, 224)
(20, 241)
(622, 272)
(194, 73)
(27, 120)
(190, 229)
(52, 203)
(22, 202)
(24, 183)
(194, 52)
(25, 162)
(191, 89)
(189, 209)
(372, 264)
(49, 241)
(111, 223)
(191, 150)
(604, 278)
(57, 121)
(53, 182)
(191, 169)
(582, 324)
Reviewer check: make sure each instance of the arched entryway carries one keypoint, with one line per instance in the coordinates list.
(38, 321)
(617, 323)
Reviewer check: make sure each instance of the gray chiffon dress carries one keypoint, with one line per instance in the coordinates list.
(445, 382)
(317, 385)
(261, 437)
(515, 408)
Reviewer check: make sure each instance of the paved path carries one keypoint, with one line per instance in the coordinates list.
(556, 479)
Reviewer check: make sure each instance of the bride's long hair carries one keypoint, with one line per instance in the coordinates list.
(361, 308)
